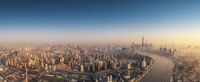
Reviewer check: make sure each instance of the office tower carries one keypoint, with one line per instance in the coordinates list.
(109, 78)
(88, 67)
(82, 68)
(46, 67)
(96, 80)
(6, 62)
(98, 67)
(129, 66)
(142, 41)
(62, 60)
(54, 67)
(53, 61)
(144, 63)
(101, 63)
(93, 67)
(105, 66)
(50, 67)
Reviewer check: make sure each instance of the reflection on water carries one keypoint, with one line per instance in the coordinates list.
(161, 70)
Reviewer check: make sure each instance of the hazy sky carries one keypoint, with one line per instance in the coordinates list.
(163, 22)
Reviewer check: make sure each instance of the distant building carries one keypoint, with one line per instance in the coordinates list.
(142, 41)
(144, 63)
(110, 78)
(82, 68)
(1, 68)
(129, 66)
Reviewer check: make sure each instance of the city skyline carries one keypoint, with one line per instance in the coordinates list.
(99, 41)
(166, 22)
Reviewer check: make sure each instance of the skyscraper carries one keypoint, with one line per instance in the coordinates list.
(82, 68)
(144, 63)
(142, 41)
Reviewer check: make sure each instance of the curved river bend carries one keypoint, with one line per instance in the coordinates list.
(161, 69)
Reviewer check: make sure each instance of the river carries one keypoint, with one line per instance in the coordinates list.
(161, 69)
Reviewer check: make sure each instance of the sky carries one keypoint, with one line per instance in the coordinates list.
(108, 21)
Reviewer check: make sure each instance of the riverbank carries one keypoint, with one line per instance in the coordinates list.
(146, 71)
(161, 70)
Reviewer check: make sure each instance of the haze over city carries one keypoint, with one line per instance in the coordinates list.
(99, 41)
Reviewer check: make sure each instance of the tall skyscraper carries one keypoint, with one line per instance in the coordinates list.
(142, 41)
(82, 68)
(144, 63)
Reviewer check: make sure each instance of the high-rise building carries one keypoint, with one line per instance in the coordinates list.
(105, 66)
(144, 63)
(54, 68)
(142, 41)
(109, 78)
(93, 67)
(129, 66)
(82, 68)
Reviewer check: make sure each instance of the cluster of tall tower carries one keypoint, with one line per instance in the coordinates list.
(144, 42)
